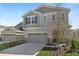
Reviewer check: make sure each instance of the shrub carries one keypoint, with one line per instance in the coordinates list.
(73, 45)
(11, 44)
(3, 46)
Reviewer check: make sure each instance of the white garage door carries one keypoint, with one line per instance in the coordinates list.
(42, 38)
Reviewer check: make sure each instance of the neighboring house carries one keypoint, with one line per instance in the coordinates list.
(41, 24)
(1, 29)
(75, 34)
(11, 34)
(19, 26)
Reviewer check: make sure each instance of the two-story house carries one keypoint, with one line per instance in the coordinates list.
(45, 22)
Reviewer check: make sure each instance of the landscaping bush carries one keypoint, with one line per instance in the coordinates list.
(76, 43)
(20, 42)
(73, 44)
(68, 42)
(3, 46)
(11, 44)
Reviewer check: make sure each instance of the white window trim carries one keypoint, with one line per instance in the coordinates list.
(31, 20)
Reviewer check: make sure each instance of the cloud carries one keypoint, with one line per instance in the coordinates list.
(4, 22)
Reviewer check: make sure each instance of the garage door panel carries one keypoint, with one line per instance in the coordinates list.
(42, 38)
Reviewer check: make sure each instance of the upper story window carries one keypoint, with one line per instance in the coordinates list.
(45, 18)
(28, 20)
(53, 17)
(31, 20)
(34, 19)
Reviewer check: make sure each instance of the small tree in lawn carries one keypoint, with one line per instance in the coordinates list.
(73, 46)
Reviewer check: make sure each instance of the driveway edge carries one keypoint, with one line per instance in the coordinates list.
(36, 53)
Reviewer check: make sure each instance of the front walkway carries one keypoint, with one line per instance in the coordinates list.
(25, 49)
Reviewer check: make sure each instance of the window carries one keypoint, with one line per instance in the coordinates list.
(45, 18)
(31, 20)
(21, 28)
(34, 19)
(63, 16)
(27, 20)
(53, 17)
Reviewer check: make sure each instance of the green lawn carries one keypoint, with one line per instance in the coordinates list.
(48, 52)
(45, 52)
(77, 44)
(71, 54)
(3, 46)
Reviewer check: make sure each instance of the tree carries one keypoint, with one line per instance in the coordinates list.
(73, 46)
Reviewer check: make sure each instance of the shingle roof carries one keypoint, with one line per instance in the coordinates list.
(13, 30)
(48, 8)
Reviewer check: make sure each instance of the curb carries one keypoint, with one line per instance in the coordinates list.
(36, 53)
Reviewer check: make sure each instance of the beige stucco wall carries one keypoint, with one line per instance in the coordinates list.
(43, 26)
(49, 21)
(19, 37)
(61, 25)
(32, 25)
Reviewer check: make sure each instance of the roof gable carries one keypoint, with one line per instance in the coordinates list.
(47, 8)
(30, 13)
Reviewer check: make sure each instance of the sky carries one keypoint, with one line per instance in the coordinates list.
(11, 13)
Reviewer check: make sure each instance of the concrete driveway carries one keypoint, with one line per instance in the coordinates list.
(29, 48)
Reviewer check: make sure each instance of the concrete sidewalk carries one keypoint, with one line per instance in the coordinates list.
(25, 49)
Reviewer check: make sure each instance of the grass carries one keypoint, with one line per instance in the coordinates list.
(71, 54)
(75, 41)
(3, 46)
(45, 52)
(48, 52)
(77, 44)
(11, 44)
